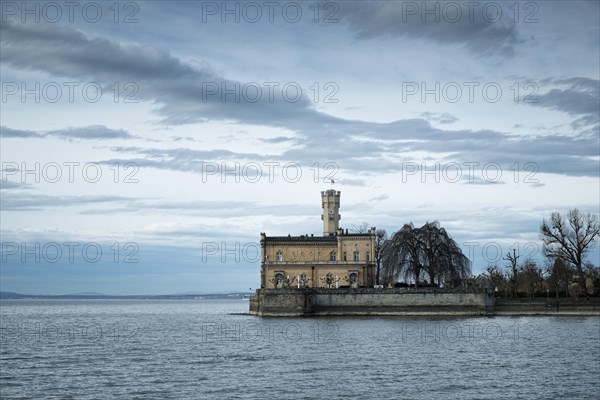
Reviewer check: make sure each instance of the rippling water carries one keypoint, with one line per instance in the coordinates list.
(201, 349)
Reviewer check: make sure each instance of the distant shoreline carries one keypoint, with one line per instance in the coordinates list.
(203, 296)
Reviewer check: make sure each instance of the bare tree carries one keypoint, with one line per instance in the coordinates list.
(532, 277)
(560, 275)
(570, 239)
(380, 239)
(593, 274)
(362, 228)
(496, 277)
(513, 270)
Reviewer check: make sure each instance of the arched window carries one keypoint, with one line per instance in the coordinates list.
(278, 279)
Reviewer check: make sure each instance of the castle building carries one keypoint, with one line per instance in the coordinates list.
(336, 259)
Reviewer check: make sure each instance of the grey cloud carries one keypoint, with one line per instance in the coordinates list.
(109, 204)
(230, 208)
(576, 96)
(189, 160)
(354, 182)
(68, 52)
(442, 118)
(394, 143)
(379, 198)
(477, 180)
(207, 232)
(480, 34)
(113, 210)
(223, 209)
(10, 185)
(7, 132)
(180, 138)
(100, 132)
(183, 94)
(91, 132)
(177, 89)
(12, 201)
(390, 147)
(277, 140)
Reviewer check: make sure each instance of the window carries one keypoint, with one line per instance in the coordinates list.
(332, 256)
(356, 256)
(303, 280)
(344, 257)
(279, 256)
(368, 256)
(278, 281)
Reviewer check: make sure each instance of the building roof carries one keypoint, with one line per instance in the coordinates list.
(302, 238)
(312, 238)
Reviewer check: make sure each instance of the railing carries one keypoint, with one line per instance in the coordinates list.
(369, 290)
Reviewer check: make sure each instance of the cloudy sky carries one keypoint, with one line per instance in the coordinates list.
(145, 145)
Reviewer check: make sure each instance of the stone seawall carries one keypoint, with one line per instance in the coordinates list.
(562, 307)
(369, 301)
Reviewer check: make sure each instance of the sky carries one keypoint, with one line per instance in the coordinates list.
(145, 145)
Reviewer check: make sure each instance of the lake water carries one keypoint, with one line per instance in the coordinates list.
(103, 349)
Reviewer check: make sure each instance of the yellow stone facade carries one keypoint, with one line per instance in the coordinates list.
(336, 259)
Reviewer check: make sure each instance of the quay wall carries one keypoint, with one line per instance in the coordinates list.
(369, 301)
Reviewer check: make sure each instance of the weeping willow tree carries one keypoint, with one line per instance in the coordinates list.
(401, 257)
(427, 252)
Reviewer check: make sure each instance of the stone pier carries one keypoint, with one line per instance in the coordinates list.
(369, 301)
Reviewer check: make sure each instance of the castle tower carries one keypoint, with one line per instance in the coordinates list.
(330, 200)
